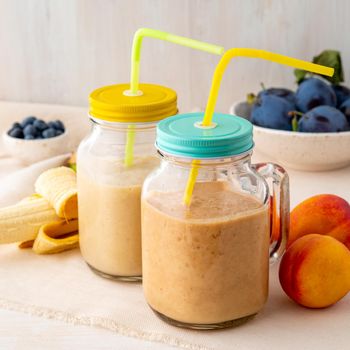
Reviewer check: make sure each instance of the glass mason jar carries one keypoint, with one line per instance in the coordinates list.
(112, 163)
(206, 263)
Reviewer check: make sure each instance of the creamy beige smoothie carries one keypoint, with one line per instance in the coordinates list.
(208, 264)
(110, 217)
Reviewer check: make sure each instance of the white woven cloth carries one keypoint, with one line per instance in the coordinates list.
(62, 287)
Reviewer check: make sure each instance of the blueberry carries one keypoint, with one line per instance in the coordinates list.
(280, 92)
(29, 137)
(323, 119)
(59, 125)
(342, 93)
(314, 92)
(30, 130)
(16, 125)
(345, 109)
(51, 125)
(40, 125)
(270, 111)
(244, 110)
(59, 132)
(28, 121)
(16, 132)
(50, 132)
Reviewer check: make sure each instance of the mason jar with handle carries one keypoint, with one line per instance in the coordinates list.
(206, 261)
(210, 222)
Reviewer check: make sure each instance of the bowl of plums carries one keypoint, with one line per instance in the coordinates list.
(32, 139)
(305, 129)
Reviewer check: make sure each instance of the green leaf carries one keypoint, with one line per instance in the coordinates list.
(328, 58)
(331, 58)
(300, 75)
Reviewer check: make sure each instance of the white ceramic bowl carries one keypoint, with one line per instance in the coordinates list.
(303, 151)
(31, 151)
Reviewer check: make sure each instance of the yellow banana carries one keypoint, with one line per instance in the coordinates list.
(21, 222)
(56, 237)
(30, 198)
(58, 186)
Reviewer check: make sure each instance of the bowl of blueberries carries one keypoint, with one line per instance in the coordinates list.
(34, 139)
(307, 129)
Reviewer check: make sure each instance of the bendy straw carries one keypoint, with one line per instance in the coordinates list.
(254, 53)
(214, 91)
(135, 70)
(157, 34)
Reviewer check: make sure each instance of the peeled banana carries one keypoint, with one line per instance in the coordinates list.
(22, 221)
(56, 237)
(46, 220)
(58, 186)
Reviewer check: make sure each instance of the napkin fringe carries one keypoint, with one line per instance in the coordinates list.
(98, 322)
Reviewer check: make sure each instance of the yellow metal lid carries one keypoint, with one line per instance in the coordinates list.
(112, 103)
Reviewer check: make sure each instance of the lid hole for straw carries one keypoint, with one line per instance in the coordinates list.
(200, 125)
(132, 94)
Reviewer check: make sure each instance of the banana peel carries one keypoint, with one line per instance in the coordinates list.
(26, 244)
(72, 162)
(59, 187)
(56, 237)
(47, 220)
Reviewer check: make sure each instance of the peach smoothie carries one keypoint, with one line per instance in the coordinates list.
(110, 218)
(209, 263)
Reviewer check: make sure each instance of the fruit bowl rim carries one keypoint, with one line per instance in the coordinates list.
(303, 134)
(288, 132)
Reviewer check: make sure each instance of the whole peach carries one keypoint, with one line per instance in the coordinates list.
(325, 214)
(315, 271)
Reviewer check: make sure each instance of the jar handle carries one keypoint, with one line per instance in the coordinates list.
(278, 182)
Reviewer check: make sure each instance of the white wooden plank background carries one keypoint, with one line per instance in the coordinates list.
(57, 51)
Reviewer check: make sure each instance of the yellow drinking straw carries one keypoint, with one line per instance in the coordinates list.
(157, 34)
(254, 53)
(214, 91)
(135, 70)
(129, 146)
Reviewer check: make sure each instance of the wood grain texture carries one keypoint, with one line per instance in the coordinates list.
(57, 51)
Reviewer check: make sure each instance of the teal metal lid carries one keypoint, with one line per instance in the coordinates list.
(182, 135)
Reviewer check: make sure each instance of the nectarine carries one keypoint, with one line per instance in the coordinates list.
(325, 214)
(315, 271)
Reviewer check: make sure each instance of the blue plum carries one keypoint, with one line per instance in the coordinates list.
(279, 92)
(272, 112)
(314, 92)
(345, 109)
(342, 92)
(323, 119)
